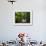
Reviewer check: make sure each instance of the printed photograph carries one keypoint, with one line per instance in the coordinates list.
(22, 17)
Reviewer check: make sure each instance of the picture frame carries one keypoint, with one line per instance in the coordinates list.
(23, 18)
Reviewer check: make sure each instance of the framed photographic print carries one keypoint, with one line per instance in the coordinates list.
(23, 17)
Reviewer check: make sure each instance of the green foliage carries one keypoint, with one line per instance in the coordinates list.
(19, 16)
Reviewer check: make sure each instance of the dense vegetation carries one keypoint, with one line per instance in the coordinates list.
(22, 17)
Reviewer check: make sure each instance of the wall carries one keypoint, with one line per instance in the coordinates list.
(9, 31)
